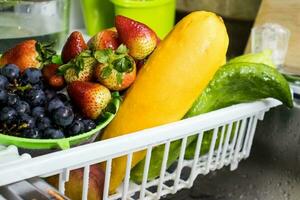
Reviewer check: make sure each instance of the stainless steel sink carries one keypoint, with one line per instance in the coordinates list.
(272, 172)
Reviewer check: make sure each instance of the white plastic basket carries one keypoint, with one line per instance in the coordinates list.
(229, 151)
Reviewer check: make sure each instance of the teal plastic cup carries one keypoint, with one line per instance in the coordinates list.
(157, 14)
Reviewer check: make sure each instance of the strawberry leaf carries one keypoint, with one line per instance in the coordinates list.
(63, 68)
(122, 49)
(103, 56)
(45, 51)
(106, 72)
(56, 59)
(123, 65)
(119, 78)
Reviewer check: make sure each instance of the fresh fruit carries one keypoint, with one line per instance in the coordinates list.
(73, 47)
(31, 133)
(49, 70)
(88, 125)
(12, 99)
(31, 76)
(90, 98)
(105, 39)
(73, 188)
(50, 94)
(235, 83)
(175, 74)
(30, 109)
(138, 37)
(79, 69)
(27, 54)
(22, 107)
(38, 112)
(63, 116)
(36, 97)
(51, 133)
(3, 82)
(43, 123)
(75, 128)
(8, 115)
(50, 75)
(26, 121)
(3, 96)
(62, 97)
(11, 72)
(57, 82)
(116, 70)
(264, 57)
(54, 104)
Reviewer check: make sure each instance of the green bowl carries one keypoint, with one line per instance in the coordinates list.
(65, 143)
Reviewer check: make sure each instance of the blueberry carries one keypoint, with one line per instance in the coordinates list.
(31, 76)
(22, 107)
(12, 99)
(50, 94)
(78, 117)
(32, 133)
(89, 125)
(62, 97)
(36, 97)
(8, 115)
(3, 82)
(3, 96)
(54, 104)
(11, 72)
(63, 116)
(51, 133)
(38, 112)
(26, 121)
(43, 123)
(75, 128)
(38, 86)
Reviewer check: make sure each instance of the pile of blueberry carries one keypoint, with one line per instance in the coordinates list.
(30, 109)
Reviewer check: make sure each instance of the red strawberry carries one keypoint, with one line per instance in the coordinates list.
(138, 37)
(116, 69)
(52, 78)
(105, 39)
(90, 98)
(79, 69)
(73, 47)
(27, 54)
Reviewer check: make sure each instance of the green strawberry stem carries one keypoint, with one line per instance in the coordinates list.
(45, 51)
(63, 68)
(84, 59)
(118, 60)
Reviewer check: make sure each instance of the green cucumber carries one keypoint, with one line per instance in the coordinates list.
(232, 84)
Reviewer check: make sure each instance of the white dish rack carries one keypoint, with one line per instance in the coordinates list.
(229, 151)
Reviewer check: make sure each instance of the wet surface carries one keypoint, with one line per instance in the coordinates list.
(272, 172)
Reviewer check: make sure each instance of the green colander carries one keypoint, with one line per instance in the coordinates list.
(65, 143)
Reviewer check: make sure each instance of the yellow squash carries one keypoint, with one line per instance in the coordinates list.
(171, 80)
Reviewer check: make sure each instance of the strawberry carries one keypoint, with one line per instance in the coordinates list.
(105, 39)
(79, 69)
(73, 47)
(27, 54)
(138, 37)
(116, 69)
(90, 98)
(52, 78)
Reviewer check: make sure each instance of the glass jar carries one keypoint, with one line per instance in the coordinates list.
(42, 20)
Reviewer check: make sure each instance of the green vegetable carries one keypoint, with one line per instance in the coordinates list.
(232, 84)
(264, 57)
